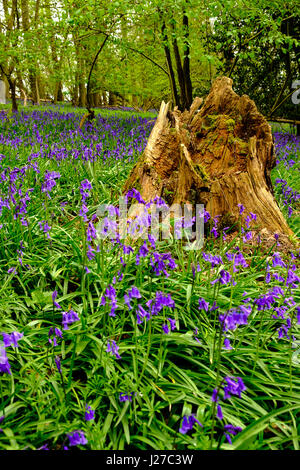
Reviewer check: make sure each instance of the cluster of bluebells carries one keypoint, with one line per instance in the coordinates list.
(94, 145)
(289, 196)
(50, 178)
(224, 278)
(77, 438)
(110, 295)
(157, 304)
(85, 188)
(166, 327)
(9, 339)
(45, 228)
(233, 318)
(68, 318)
(113, 348)
(286, 145)
(231, 386)
(154, 307)
(54, 334)
(203, 305)
(133, 293)
(238, 260)
(160, 262)
(279, 300)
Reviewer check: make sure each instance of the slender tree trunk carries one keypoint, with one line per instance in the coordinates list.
(12, 86)
(174, 94)
(180, 73)
(186, 64)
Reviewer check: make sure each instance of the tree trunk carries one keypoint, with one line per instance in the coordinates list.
(12, 86)
(34, 88)
(219, 153)
(60, 96)
(174, 94)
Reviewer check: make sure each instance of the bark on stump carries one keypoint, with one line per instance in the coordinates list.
(219, 153)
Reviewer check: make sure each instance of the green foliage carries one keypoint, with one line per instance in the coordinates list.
(170, 375)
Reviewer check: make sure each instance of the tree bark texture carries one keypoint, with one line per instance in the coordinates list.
(218, 153)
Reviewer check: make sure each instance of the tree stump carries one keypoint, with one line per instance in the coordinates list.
(218, 153)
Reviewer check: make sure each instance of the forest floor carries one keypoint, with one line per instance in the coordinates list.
(137, 343)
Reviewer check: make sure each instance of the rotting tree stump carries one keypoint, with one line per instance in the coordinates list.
(218, 153)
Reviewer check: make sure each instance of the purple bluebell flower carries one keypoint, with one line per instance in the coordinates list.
(161, 300)
(12, 338)
(225, 278)
(76, 438)
(227, 344)
(54, 295)
(4, 364)
(45, 227)
(298, 315)
(241, 208)
(235, 317)
(141, 313)
(12, 271)
(215, 396)
(235, 386)
(85, 188)
(83, 211)
(214, 260)
(165, 327)
(125, 396)
(160, 262)
(204, 214)
(90, 252)
(188, 423)
(203, 305)
(58, 363)
(113, 348)
(1, 420)
(230, 429)
(219, 412)
(110, 294)
(49, 182)
(68, 318)
(89, 413)
(277, 261)
(53, 334)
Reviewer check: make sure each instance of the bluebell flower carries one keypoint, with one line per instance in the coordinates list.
(165, 327)
(203, 305)
(219, 412)
(76, 438)
(241, 208)
(113, 348)
(58, 363)
(54, 295)
(12, 338)
(188, 423)
(89, 413)
(230, 429)
(68, 318)
(4, 364)
(235, 386)
(125, 396)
